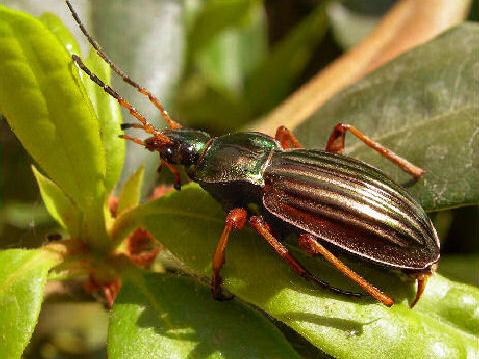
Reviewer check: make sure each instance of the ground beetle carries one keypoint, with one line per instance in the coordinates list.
(329, 200)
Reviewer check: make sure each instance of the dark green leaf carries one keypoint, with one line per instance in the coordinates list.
(131, 191)
(23, 274)
(49, 111)
(424, 107)
(340, 326)
(165, 316)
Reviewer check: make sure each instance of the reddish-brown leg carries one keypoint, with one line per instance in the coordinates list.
(421, 285)
(155, 101)
(311, 245)
(286, 138)
(337, 139)
(264, 231)
(236, 219)
(174, 171)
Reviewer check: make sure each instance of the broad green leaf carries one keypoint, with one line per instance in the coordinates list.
(271, 80)
(169, 316)
(60, 207)
(23, 274)
(189, 224)
(109, 117)
(49, 111)
(106, 107)
(131, 192)
(63, 35)
(423, 106)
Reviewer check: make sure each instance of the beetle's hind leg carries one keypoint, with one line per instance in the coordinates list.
(264, 231)
(236, 219)
(337, 139)
(312, 246)
(286, 138)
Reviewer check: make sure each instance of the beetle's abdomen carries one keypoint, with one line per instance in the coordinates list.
(352, 205)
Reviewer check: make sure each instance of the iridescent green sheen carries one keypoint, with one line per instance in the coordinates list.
(236, 157)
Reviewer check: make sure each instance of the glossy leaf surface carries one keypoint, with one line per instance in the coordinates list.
(23, 274)
(51, 115)
(340, 326)
(167, 316)
(424, 107)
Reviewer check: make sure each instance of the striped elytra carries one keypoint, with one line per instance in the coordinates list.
(351, 205)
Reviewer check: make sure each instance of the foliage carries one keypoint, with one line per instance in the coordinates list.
(419, 104)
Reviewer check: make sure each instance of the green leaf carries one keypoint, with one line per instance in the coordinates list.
(424, 107)
(63, 35)
(131, 191)
(106, 107)
(23, 274)
(189, 224)
(109, 116)
(170, 316)
(45, 104)
(60, 207)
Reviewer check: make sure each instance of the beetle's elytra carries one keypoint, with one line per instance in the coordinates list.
(328, 200)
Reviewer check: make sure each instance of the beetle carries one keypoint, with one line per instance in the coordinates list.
(333, 203)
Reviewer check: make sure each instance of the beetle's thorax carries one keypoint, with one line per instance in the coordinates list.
(185, 148)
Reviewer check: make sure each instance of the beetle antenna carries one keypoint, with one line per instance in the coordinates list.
(147, 127)
(154, 100)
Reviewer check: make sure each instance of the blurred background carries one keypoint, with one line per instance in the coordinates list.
(216, 65)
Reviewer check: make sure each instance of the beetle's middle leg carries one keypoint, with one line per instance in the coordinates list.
(286, 138)
(336, 144)
(236, 219)
(263, 230)
(312, 246)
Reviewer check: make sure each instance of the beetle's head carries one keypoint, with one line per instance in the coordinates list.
(184, 147)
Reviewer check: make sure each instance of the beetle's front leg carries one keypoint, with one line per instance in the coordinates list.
(337, 139)
(286, 138)
(312, 246)
(236, 219)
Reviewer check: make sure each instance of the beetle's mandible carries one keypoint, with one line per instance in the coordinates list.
(330, 201)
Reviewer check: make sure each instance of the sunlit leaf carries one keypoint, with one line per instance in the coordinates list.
(165, 316)
(51, 115)
(60, 207)
(23, 274)
(341, 326)
(131, 191)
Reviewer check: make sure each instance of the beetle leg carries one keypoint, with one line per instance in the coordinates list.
(312, 246)
(264, 231)
(421, 285)
(174, 171)
(286, 138)
(336, 144)
(236, 219)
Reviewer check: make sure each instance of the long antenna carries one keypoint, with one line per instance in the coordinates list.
(147, 127)
(154, 100)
